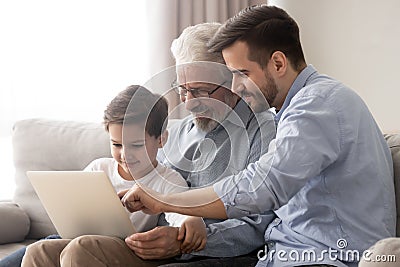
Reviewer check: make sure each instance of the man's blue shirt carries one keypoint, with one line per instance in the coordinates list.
(328, 176)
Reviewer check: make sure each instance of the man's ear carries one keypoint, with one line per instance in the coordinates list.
(163, 139)
(279, 62)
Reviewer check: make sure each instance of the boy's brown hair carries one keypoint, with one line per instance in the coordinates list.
(135, 105)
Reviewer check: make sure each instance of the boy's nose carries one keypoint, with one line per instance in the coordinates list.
(122, 156)
(127, 155)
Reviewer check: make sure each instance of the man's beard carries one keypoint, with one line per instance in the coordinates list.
(206, 124)
(263, 97)
(269, 89)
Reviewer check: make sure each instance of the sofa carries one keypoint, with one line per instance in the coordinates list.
(43, 144)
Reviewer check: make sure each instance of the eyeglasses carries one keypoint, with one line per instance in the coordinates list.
(198, 92)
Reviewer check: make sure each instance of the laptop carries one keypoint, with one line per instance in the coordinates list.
(81, 203)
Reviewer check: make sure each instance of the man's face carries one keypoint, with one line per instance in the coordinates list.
(255, 85)
(211, 108)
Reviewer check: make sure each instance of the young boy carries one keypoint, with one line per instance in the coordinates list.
(135, 120)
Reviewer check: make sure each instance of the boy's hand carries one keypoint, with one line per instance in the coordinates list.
(194, 231)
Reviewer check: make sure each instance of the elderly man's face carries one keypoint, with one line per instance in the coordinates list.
(208, 96)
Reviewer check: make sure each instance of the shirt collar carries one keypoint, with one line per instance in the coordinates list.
(239, 115)
(298, 84)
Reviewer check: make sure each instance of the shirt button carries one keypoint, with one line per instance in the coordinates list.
(270, 245)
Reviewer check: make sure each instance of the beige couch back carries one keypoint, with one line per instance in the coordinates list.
(42, 144)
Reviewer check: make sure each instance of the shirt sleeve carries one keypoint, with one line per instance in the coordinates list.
(175, 219)
(235, 237)
(307, 142)
(174, 184)
(91, 166)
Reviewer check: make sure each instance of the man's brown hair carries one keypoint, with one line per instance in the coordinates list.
(265, 29)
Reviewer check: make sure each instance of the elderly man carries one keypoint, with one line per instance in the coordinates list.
(220, 137)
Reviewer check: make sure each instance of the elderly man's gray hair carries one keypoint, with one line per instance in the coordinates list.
(191, 45)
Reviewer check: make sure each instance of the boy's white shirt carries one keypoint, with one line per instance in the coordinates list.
(161, 179)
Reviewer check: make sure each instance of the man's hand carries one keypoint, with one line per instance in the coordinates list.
(193, 232)
(141, 198)
(202, 202)
(158, 243)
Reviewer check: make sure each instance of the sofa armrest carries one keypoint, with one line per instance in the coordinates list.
(14, 223)
(393, 141)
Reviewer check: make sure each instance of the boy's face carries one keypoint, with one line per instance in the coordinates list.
(136, 154)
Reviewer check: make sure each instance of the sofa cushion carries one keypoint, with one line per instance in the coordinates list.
(10, 248)
(393, 141)
(14, 223)
(42, 144)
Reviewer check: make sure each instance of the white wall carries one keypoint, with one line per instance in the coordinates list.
(68, 59)
(65, 60)
(357, 42)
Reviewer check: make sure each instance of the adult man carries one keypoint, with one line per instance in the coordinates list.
(328, 174)
(219, 122)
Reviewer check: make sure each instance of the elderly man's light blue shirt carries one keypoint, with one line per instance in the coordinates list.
(328, 175)
(205, 157)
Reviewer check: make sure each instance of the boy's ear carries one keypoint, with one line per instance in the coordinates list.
(163, 138)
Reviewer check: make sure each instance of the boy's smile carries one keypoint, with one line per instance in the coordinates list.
(133, 149)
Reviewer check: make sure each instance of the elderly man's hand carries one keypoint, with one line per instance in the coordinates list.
(158, 243)
(141, 198)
